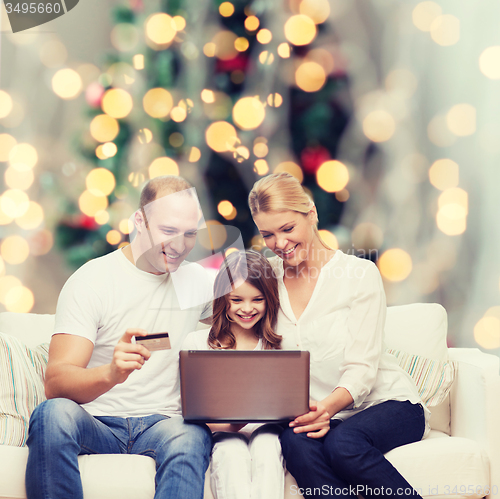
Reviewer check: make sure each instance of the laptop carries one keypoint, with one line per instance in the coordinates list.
(241, 386)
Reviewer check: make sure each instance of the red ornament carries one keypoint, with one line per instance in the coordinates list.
(93, 94)
(237, 63)
(313, 157)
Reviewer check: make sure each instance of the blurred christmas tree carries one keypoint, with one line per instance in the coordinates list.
(220, 93)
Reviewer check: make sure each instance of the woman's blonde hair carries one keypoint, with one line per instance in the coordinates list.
(280, 192)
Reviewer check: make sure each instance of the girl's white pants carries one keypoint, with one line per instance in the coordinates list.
(248, 464)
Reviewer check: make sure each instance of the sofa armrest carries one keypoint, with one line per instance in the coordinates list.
(475, 404)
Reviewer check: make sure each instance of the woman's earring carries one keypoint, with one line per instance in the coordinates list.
(229, 318)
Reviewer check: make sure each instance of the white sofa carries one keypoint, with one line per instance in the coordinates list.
(460, 458)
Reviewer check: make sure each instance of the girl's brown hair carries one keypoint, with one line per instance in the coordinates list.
(253, 268)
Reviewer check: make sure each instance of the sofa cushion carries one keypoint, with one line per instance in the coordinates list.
(432, 377)
(444, 467)
(31, 329)
(22, 370)
(419, 328)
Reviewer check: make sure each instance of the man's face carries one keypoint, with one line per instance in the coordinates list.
(171, 233)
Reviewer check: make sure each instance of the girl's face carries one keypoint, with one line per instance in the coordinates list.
(246, 306)
(288, 234)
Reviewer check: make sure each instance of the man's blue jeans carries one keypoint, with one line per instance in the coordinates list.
(60, 430)
(349, 459)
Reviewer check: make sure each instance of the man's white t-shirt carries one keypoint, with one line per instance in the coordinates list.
(109, 295)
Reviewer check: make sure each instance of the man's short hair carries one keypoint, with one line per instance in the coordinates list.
(161, 186)
(166, 184)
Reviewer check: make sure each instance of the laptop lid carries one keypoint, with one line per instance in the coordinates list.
(244, 386)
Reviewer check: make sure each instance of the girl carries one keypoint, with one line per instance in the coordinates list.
(333, 305)
(246, 460)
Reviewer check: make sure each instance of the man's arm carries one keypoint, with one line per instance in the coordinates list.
(67, 375)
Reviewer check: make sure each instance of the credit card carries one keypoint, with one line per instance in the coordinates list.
(154, 342)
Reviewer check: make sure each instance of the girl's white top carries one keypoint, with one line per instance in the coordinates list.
(343, 329)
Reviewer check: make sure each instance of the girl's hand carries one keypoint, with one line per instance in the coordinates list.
(316, 422)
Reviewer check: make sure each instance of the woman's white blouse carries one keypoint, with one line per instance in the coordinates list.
(343, 327)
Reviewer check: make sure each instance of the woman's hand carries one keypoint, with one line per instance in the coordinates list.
(316, 422)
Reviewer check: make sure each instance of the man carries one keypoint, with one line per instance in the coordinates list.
(107, 394)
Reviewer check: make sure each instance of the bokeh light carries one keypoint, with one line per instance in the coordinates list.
(214, 236)
(180, 23)
(379, 126)
(7, 283)
(176, 139)
(424, 14)
(264, 36)
(163, 166)
(221, 136)
(160, 29)
(461, 120)
(275, 100)
(224, 42)
(67, 84)
(489, 62)
(444, 174)
(19, 299)
(291, 168)
(16, 179)
(487, 332)
(7, 142)
(260, 150)
(248, 113)
(266, 57)
(226, 9)
(329, 238)
(332, 176)
(32, 218)
(126, 226)
(451, 217)
(14, 203)
(178, 114)
(14, 249)
(445, 30)
(6, 104)
(310, 76)
(395, 265)
(109, 149)
(158, 102)
(104, 128)
(90, 204)
(138, 61)
(227, 210)
(261, 167)
(113, 237)
(23, 157)
(117, 103)
(41, 242)
(317, 10)
(252, 23)
(300, 30)
(284, 50)
(102, 217)
(241, 44)
(194, 155)
(100, 182)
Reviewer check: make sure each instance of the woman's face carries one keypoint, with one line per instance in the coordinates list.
(246, 306)
(288, 234)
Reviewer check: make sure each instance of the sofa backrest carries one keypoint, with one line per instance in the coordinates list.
(418, 328)
(31, 329)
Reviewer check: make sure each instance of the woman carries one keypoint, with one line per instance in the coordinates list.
(333, 305)
(246, 461)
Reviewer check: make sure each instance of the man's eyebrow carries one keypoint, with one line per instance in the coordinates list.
(168, 227)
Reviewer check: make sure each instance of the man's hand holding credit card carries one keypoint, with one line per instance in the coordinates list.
(154, 342)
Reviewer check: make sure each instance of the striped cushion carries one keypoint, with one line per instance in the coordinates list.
(22, 370)
(432, 377)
